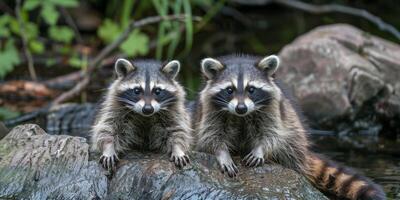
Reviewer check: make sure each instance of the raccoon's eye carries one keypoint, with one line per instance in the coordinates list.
(251, 89)
(229, 90)
(137, 90)
(157, 91)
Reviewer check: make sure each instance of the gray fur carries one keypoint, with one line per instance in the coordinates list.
(126, 130)
(274, 128)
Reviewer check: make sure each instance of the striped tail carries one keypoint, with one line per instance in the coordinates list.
(340, 181)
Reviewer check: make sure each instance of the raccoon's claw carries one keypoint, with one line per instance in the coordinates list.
(253, 160)
(226, 163)
(109, 162)
(230, 169)
(180, 161)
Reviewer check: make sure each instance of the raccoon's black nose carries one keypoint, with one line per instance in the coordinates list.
(241, 108)
(147, 109)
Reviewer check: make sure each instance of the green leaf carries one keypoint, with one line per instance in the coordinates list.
(137, 43)
(65, 3)
(61, 34)
(31, 4)
(65, 50)
(36, 46)
(6, 113)
(50, 62)
(14, 26)
(4, 32)
(9, 58)
(108, 31)
(31, 30)
(75, 62)
(4, 21)
(49, 14)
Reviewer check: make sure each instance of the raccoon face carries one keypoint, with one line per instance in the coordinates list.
(241, 85)
(146, 86)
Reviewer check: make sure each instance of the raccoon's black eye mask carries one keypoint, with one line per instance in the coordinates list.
(130, 96)
(259, 96)
(164, 96)
(222, 98)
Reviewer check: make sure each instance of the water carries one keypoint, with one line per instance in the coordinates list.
(379, 161)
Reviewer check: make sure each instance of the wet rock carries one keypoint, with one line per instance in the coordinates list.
(35, 165)
(338, 72)
(154, 177)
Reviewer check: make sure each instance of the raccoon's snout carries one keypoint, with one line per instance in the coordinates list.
(241, 108)
(147, 109)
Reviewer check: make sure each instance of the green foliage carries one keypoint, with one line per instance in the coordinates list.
(6, 113)
(9, 58)
(75, 62)
(189, 25)
(49, 8)
(65, 3)
(49, 14)
(31, 30)
(10, 29)
(31, 4)
(108, 31)
(4, 21)
(136, 44)
(78, 61)
(61, 34)
(170, 34)
(36, 46)
(126, 12)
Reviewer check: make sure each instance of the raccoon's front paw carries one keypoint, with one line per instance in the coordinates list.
(109, 161)
(230, 168)
(226, 163)
(180, 159)
(254, 159)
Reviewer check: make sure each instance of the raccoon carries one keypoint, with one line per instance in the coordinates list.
(143, 110)
(243, 110)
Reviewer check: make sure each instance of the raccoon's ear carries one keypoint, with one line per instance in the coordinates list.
(269, 64)
(210, 67)
(171, 69)
(123, 67)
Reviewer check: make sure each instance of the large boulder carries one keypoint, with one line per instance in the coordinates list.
(35, 165)
(340, 73)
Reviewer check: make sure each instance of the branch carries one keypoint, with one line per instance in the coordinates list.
(72, 92)
(320, 9)
(67, 80)
(28, 54)
(72, 24)
(108, 49)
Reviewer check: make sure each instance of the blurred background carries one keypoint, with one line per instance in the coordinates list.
(58, 51)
